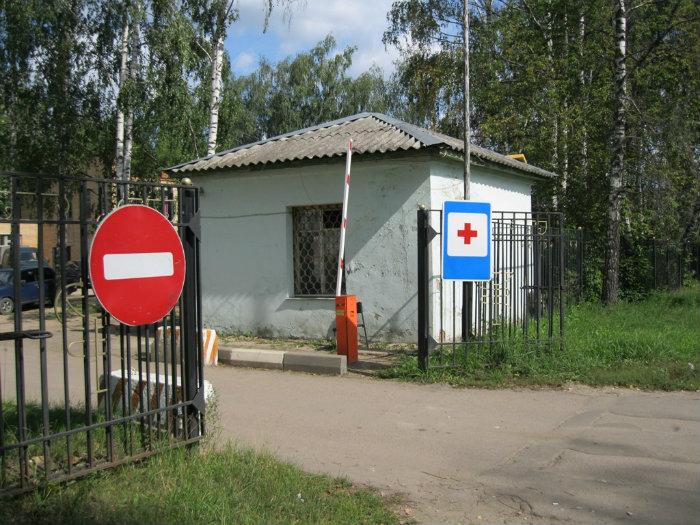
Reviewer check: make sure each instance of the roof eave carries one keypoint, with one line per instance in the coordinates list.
(178, 167)
(326, 159)
(525, 170)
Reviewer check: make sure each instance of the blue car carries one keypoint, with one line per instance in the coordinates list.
(29, 288)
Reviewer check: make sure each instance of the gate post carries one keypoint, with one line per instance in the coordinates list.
(423, 287)
(191, 330)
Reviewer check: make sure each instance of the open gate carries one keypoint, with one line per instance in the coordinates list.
(78, 390)
(520, 310)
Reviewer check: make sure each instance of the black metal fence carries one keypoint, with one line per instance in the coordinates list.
(540, 267)
(522, 305)
(646, 266)
(78, 390)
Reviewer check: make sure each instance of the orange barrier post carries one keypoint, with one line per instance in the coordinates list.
(346, 326)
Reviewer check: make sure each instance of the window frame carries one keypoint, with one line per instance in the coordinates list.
(327, 282)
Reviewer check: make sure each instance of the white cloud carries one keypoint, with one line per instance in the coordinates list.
(359, 23)
(243, 61)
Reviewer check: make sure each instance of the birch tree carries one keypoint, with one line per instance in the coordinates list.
(123, 72)
(224, 15)
(611, 284)
(134, 73)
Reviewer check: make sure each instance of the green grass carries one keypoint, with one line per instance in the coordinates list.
(196, 485)
(651, 344)
(181, 486)
(127, 439)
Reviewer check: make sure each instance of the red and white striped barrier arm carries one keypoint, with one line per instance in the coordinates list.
(344, 222)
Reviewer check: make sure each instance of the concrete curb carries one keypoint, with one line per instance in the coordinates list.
(280, 360)
(251, 358)
(316, 363)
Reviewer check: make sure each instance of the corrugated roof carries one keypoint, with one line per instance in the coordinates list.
(370, 132)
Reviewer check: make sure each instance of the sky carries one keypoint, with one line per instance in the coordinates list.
(359, 23)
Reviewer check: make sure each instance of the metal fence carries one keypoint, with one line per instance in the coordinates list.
(646, 266)
(522, 305)
(78, 390)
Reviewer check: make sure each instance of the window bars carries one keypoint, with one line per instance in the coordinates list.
(316, 231)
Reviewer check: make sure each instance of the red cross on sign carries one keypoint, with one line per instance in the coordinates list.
(467, 233)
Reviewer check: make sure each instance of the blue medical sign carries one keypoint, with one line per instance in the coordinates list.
(466, 241)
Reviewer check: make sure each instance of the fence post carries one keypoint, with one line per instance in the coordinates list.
(562, 282)
(423, 288)
(189, 311)
(653, 256)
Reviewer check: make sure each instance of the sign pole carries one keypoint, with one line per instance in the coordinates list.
(344, 222)
(467, 287)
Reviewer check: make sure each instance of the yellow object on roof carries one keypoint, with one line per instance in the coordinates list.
(518, 156)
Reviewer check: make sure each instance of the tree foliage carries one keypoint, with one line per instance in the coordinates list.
(543, 84)
(60, 82)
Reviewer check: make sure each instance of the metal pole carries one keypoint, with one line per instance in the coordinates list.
(190, 333)
(466, 287)
(344, 222)
(423, 288)
(466, 108)
(19, 342)
(653, 255)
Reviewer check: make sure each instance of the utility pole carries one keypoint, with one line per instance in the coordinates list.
(466, 287)
(465, 109)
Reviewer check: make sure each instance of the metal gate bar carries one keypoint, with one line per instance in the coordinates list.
(81, 418)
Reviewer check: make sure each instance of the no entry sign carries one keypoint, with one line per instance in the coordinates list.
(466, 251)
(137, 265)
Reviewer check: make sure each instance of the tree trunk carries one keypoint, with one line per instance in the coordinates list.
(216, 66)
(565, 125)
(584, 91)
(129, 127)
(124, 50)
(128, 142)
(611, 283)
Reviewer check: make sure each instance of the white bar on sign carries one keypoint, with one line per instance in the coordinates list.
(137, 265)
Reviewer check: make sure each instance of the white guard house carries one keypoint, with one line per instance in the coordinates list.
(271, 213)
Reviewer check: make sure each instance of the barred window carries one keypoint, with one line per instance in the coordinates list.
(316, 241)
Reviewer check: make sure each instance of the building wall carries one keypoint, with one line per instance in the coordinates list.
(247, 268)
(504, 190)
(28, 233)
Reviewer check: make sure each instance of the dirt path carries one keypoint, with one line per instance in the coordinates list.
(482, 456)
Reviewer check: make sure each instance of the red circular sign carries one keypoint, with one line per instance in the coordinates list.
(137, 265)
